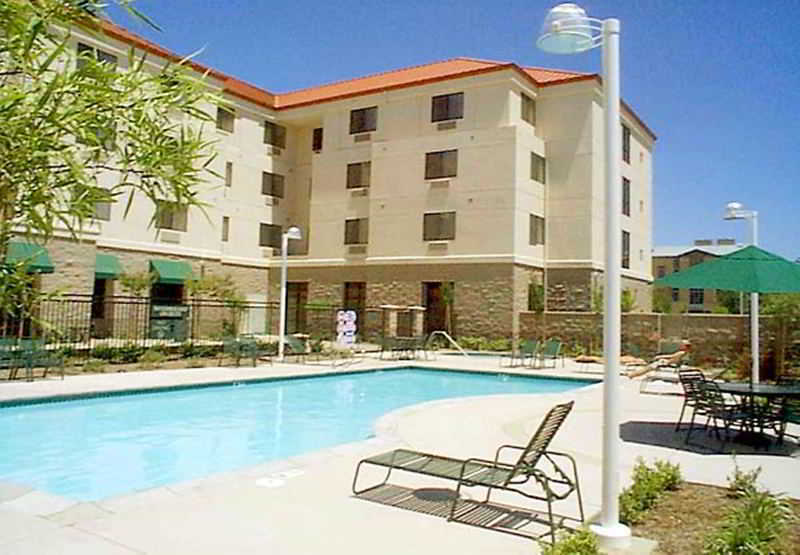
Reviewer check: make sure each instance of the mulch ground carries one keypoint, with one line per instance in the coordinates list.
(683, 520)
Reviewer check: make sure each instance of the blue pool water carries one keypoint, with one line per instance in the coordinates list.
(93, 448)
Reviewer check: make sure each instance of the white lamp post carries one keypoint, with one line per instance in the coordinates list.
(735, 211)
(567, 30)
(291, 233)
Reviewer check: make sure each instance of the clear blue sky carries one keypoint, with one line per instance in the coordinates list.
(717, 80)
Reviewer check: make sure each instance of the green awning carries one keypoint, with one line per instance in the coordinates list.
(107, 266)
(38, 259)
(171, 271)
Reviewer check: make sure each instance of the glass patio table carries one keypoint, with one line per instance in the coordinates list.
(772, 393)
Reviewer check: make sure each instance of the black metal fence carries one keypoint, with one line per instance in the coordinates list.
(82, 323)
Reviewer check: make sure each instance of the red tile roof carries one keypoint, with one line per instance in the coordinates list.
(379, 82)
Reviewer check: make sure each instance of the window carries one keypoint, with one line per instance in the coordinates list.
(228, 174)
(538, 168)
(626, 143)
(676, 264)
(447, 106)
(269, 235)
(626, 196)
(171, 216)
(528, 109)
(85, 52)
(537, 230)
(356, 231)
(676, 295)
(442, 164)
(274, 134)
(355, 298)
(272, 184)
(439, 226)
(102, 210)
(661, 271)
(316, 139)
(363, 120)
(358, 175)
(696, 296)
(225, 119)
(626, 249)
(226, 225)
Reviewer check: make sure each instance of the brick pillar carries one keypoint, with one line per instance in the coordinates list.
(390, 319)
(417, 320)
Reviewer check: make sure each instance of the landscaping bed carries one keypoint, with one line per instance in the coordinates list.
(685, 517)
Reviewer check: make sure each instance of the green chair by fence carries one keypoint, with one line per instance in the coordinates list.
(230, 349)
(296, 347)
(33, 353)
(550, 351)
(9, 356)
(528, 349)
(535, 464)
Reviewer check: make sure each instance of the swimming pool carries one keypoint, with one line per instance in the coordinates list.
(93, 448)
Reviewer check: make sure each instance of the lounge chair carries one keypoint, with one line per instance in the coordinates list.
(556, 485)
(551, 350)
(9, 356)
(33, 353)
(790, 411)
(527, 350)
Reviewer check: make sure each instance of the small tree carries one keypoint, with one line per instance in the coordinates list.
(662, 301)
(536, 297)
(137, 284)
(785, 309)
(68, 118)
(627, 300)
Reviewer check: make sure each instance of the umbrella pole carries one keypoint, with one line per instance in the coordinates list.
(754, 374)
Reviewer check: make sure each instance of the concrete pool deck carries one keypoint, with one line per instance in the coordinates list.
(304, 505)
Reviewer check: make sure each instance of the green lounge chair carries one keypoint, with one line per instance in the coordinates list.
(527, 350)
(551, 350)
(34, 353)
(555, 485)
(9, 356)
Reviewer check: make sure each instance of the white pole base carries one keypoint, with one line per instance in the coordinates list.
(612, 538)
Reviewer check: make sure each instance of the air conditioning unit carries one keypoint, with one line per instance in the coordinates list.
(271, 201)
(266, 253)
(362, 137)
(362, 192)
(170, 237)
(438, 245)
(440, 184)
(445, 125)
(274, 150)
(357, 249)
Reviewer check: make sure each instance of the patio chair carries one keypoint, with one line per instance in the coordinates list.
(297, 347)
(9, 356)
(790, 410)
(230, 348)
(718, 410)
(692, 384)
(33, 353)
(551, 350)
(528, 349)
(555, 485)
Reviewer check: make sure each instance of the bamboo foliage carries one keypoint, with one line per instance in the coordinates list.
(68, 119)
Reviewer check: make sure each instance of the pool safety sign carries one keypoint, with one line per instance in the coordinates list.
(346, 327)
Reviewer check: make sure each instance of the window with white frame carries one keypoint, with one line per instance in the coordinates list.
(441, 165)
(363, 120)
(356, 231)
(447, 106)
(537, 230)
(358, 174)
(538, 168)
(528, 110)
(439, 226)
(272, 184)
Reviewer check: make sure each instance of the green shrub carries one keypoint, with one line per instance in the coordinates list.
(130, 352)
(501, 344)
(579, 542)
(193, 362)
(648, 485)
(742, 482)
(103, 352)
(94, 365)
(151, 358)
(753, 528)
(193, 350)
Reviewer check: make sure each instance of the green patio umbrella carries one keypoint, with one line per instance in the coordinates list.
(750, 270)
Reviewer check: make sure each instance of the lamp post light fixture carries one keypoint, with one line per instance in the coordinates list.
(735, 211)
(568, 30)
(291, 233)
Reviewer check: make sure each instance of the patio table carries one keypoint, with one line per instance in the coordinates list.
(771, 392)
